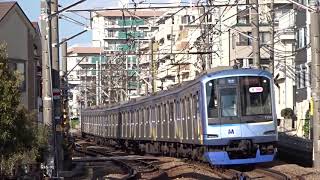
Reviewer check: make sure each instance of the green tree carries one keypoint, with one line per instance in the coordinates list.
(20, 139)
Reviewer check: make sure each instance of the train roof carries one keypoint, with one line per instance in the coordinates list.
(236, 72)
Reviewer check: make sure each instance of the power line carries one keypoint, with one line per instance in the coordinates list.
(154, 7)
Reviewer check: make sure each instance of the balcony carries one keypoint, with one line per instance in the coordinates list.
(125, 47)
(287, 20)
(130, 22)
(132, 72)
(287, 35)
(133, 85)
(132, 60)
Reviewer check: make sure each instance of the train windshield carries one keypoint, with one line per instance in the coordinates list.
(229, 99)
(255, 96)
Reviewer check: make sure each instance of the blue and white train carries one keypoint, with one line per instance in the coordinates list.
(224, 117)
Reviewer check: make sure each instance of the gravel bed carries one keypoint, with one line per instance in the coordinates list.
(297, 172)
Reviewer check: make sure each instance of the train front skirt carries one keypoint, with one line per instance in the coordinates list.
(222, 158)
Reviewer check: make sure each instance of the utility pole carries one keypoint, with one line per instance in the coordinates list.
(64, 78)
(56, 85)
(67, 164)
(97, 82)
(272, 39)
(315, 49)
(153, 68)
(110, 78)
(255, 32)
(85, 90)
(46, 77)
(138, 68)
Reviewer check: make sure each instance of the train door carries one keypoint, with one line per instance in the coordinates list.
(190, 119)
(137, 120)
(153, 123)
(184, 119)
(158, 122)
(165, 122)
(178, 121)
(147, 126)
(119, 124)
(229, 111)
(171, 129)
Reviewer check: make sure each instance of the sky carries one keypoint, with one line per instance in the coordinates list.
(67, 29)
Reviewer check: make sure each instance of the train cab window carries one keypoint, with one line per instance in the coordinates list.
(228, 102)
(255, 96)
(212, 99)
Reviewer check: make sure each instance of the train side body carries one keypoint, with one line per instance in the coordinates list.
(178, 121)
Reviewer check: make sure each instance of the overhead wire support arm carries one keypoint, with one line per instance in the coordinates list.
(75, 66)
(66, 8)
(67, 39)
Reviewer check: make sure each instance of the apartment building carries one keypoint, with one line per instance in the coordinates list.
(182, 47)
(121, 34)
(84, 66)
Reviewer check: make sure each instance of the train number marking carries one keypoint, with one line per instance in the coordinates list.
(230, 131)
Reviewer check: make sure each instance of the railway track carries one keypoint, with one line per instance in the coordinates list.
(263, 173)
(149, 168)
(145, 170)
(257, 173)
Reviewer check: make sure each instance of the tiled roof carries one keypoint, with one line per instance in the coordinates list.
(84, 50)
(118, 13)
(5, 8)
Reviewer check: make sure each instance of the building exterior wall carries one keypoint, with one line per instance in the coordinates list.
(19, 35)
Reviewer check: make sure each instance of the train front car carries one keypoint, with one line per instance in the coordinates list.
(240, 123)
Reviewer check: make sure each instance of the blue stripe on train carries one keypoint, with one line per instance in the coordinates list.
(222, 158)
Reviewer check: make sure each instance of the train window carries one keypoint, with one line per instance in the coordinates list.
(228, 102)
(255, 96)
(212, 99)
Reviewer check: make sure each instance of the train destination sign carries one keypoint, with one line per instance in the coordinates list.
(256, 89)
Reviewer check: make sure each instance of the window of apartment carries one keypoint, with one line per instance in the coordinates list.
(304, 2)
(209, 18)
(302, 76)
(110, 21)
(244, 40)
(302, 37)
(110, 33)
(264, 37)
(161, 41)
(298, 79)
(187, 19)
(20, 67)
(309, 75)
(184, 19)
(243, 15)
